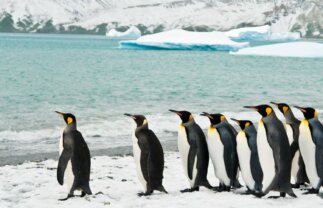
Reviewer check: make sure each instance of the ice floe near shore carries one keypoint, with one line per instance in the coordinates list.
(292, 49)
(178, 39)
(132, 33)
(261, 33)
(115, 184)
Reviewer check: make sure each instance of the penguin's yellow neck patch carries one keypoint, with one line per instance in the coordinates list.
(268, 111)
(222, 118)
(211, 128)
(145, 122)
(247, 125)
(285, 109)
(69, 120)
(191, 117)
(316, 114)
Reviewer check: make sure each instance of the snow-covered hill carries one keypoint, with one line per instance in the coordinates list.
(98, 16)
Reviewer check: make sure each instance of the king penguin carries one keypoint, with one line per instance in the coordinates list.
(149, 156)
(74, 160)
(292, 129)
(248, 156)
(193, 151)
(222, 146)
(274, 153)
(311, 146)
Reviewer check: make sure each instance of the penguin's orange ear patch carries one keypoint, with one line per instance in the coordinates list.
(247, 124)
(69, 120)
(268, 111)
(285, 109)
(191, 117)
(222, 118)
(316, 114)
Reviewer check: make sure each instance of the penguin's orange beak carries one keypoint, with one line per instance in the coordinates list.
(252, 107)
(60, 113)
(235, 120)
(301, 109)
(174, 111)
(276, 104)
(206, 114)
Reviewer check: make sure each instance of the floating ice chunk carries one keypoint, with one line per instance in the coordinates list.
(287, 36)
(132, 33)
(262, 33)
(250, 33)
(185, 40)
(292, 49)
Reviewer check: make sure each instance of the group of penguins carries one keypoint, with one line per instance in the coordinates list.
(267, 157)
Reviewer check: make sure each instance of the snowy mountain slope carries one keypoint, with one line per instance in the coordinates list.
(305, 16)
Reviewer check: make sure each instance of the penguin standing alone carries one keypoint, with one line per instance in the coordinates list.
(149, 156)
(222, 145)
(74, 160)
(292, 129)
(193, 151)
(311, 146)
(274, 153)
(248, 156)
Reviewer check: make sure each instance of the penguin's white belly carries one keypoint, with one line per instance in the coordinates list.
(290, 134)
(216, 150)
(295, 165)
(266, 156)
(307, 147)
(60, 145)
(244, 155)
(136, 155)
(184, 147)
(69, 175)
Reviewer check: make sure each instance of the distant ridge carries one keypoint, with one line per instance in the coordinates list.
(98, 16)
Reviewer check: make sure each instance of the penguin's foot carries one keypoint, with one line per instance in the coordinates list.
(144, 194)
(68, 196)
(312, 191)
(190, 190)
(248, 192)
(83, 194)
(296, 185)
(258, 194)
(276, 197)
(221, 188)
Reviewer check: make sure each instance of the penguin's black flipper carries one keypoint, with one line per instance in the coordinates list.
(293, 149)
(191, 159)
(62, 163)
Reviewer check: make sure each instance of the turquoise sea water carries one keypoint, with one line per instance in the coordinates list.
(98, 82)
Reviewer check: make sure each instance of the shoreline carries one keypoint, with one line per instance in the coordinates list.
(169, 146)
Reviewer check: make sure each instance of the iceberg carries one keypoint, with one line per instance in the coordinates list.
(132, 33)
(292, 49)
(250, 33)
(261, 33)
(179, 39)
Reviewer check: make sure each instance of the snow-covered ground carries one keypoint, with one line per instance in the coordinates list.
(181, 39)
(293, 49)
(33, 184)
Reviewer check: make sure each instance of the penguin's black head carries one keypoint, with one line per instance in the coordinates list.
(139, 119)
(264, 110)
(68, 117)
(184, 115)
(242, 123)
(214, 118)
(283, 107)
(308, 112)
